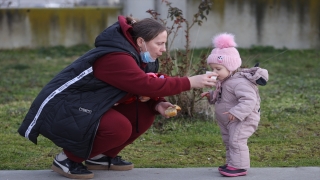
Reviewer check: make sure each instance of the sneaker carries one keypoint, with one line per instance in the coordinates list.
(223, 167)
(233, 172)
(108, 163)
(71, 169)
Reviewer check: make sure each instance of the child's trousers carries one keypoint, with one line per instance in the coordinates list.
(235, 135)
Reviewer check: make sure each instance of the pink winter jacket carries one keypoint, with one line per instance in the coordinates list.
(239, 95)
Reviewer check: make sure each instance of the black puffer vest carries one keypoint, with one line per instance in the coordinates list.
(68, 109)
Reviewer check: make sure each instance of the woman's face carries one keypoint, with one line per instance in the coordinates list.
(156, 46)
(222, 71)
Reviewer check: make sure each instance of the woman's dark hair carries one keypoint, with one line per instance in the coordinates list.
(147, 28)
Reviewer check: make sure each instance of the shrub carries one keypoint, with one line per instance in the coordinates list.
(179, 62)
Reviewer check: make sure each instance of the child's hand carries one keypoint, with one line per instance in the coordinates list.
(205, 94)
(230, 116)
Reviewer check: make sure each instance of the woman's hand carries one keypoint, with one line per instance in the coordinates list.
(162, 106)
(202, 80)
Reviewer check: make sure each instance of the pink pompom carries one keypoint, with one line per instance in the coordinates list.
(224, 40)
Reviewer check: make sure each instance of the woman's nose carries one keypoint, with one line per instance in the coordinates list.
(163, 49)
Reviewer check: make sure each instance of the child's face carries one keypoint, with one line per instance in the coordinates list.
(222, 71)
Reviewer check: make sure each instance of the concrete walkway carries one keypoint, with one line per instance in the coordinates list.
(299, 173)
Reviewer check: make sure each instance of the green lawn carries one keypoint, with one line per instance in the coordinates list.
(288, 134)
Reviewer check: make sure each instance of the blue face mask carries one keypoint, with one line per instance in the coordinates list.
(145, 56)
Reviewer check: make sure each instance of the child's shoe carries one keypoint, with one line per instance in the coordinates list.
(222, 167)
(233, 172)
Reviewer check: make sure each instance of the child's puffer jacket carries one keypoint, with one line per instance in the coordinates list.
(239, 94)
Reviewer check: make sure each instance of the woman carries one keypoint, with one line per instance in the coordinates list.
(92, 109)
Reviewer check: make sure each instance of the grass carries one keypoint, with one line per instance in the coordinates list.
(288, 134)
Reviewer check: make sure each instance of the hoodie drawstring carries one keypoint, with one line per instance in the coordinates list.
(137, 114)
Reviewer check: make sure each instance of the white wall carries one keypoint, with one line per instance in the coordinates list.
(277, 26)
(277, 23)
(137, 8)
(259, 23)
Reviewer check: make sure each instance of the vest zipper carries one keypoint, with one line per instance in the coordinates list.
(92, 140)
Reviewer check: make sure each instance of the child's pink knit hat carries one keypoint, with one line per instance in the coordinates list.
(225, 52)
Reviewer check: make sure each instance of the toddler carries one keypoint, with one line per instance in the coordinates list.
(237, 102)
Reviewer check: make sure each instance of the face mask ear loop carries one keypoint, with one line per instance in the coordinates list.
(145, 45)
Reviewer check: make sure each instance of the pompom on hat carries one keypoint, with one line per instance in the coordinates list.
(225, 52)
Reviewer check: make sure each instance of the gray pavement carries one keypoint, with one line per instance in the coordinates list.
(295, 173)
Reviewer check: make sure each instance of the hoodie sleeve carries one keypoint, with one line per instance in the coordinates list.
(247, 99)
(121, 71)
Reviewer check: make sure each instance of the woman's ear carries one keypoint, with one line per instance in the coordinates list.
(139, 42)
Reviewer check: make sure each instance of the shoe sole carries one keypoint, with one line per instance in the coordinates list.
(112, 167)
(233, 175)
(71, 176)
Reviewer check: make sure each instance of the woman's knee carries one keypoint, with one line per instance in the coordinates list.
(115, 126)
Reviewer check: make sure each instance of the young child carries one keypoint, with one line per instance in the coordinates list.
(237, 102)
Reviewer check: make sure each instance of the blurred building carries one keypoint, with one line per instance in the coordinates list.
(55, 3)
(278, 23)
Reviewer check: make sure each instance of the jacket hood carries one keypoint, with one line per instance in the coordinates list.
(118, 37)
(255, 75)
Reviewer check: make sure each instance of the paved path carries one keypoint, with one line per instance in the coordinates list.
(299, 173)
